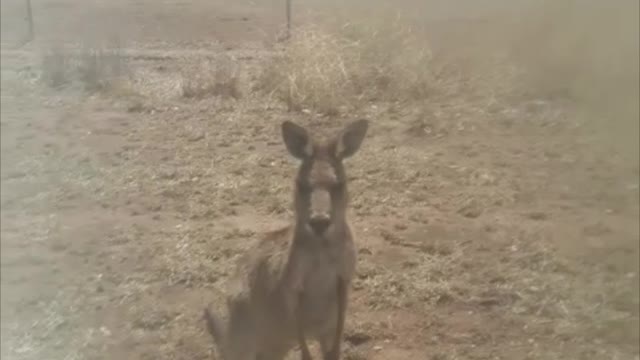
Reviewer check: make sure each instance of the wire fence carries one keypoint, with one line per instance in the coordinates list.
(146, 21)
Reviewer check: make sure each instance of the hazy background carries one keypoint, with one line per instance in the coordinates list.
(495, 199)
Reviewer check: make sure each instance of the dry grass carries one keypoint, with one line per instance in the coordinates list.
(336, 67)
(218, 77)
(582, 51)
(94, 69)
(514, 276)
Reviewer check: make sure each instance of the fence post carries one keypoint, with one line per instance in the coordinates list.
(288, 19)
(289, 90)
(30, 35)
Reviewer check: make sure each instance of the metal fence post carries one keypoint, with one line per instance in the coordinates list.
(288, 19)
(30, 35)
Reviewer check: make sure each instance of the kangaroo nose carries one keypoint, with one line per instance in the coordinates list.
(319, 224)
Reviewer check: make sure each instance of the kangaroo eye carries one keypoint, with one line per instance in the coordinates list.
(339, 186)
(304, 186)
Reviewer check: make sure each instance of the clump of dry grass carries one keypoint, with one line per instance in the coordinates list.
(100, 68)
(337, 66)
(395, 61)
(212, 78)
(94, 69)
(55, 68)
(312, 72)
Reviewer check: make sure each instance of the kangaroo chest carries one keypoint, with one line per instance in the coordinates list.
(320, 295)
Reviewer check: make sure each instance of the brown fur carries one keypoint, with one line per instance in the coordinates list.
(294, 284)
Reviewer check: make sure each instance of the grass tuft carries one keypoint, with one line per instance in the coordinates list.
(94, 69)
(335, 68)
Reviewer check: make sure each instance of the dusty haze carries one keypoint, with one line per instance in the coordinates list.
(495, 201)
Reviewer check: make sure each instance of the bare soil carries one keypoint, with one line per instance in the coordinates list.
(510, 233)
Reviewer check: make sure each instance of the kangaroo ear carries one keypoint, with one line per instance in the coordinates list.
(351, 138)
(297, 140)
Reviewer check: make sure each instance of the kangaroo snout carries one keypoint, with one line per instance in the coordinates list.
(320, 223)
(320, 216)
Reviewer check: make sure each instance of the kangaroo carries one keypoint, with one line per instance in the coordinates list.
(294, 285)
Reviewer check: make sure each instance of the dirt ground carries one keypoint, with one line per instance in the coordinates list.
(510, 233)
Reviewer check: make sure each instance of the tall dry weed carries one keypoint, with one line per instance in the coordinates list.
(218, 77)
(335, 67)
(94, 69)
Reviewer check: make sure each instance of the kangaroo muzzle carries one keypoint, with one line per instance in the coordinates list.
(320, 212)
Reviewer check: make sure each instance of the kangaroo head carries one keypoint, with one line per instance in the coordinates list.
(321, 183)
